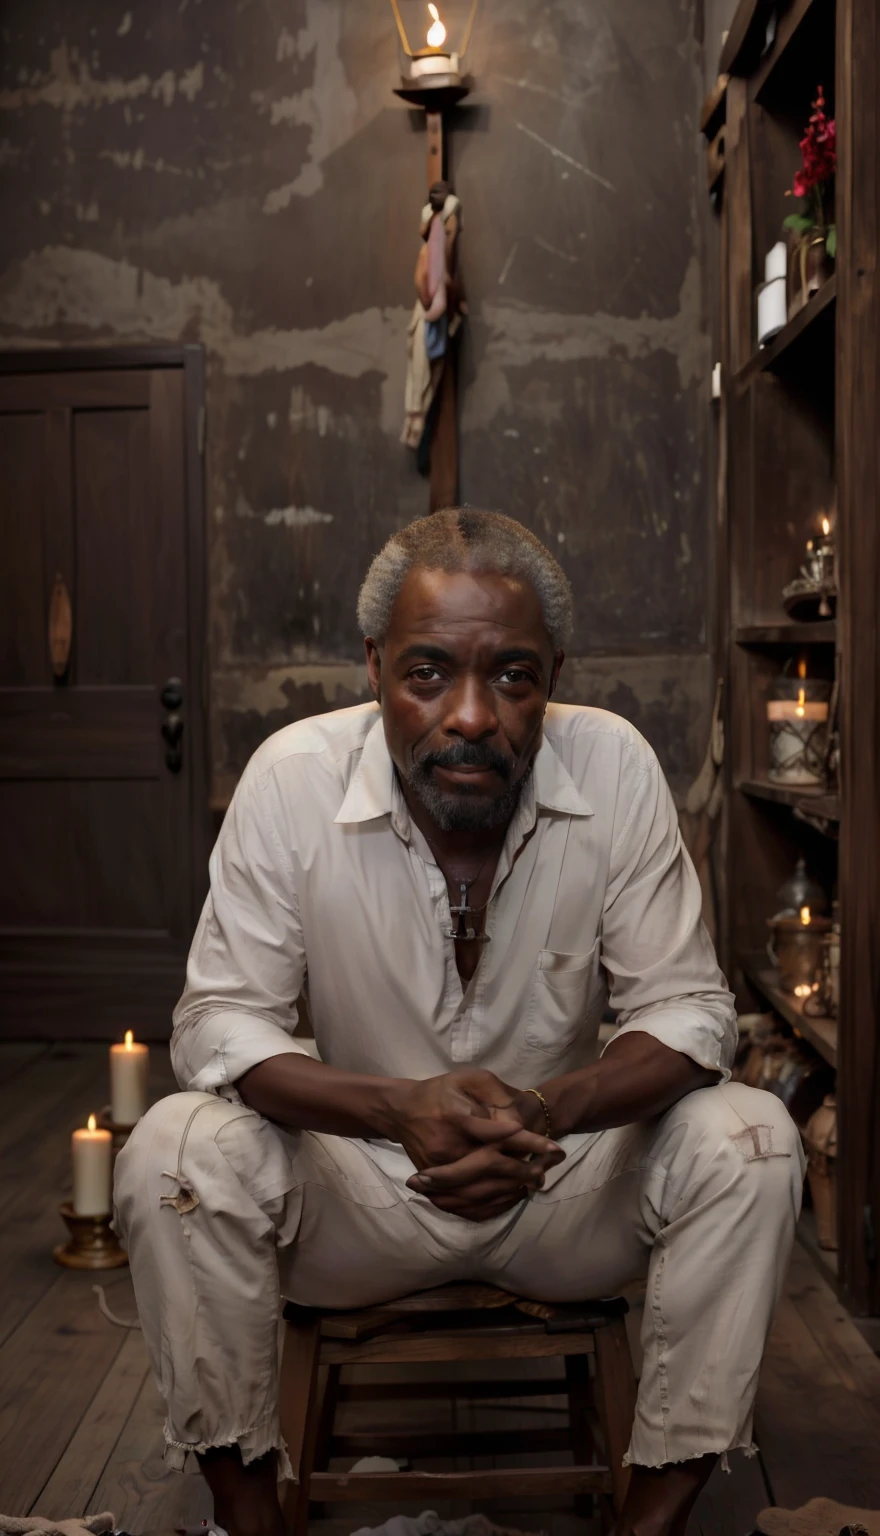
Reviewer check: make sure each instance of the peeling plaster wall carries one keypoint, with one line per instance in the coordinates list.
(237, 172)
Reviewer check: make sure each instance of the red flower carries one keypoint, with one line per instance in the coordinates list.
(818, 150)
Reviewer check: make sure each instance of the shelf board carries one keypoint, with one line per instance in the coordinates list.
(783, 794)
(823, 632)
(821, 1033)
(802, 329)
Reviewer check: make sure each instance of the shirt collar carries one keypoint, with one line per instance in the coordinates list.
(374, 792)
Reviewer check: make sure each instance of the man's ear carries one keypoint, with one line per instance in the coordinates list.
(558, 659)
(374, 668)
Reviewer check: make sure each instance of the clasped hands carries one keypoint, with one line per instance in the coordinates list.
(471, 1140)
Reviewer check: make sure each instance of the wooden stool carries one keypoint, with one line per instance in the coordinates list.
(455, 1323)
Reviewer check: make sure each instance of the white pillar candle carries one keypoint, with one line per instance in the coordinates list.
(92, 1152)
(797, 740)
(129, 1068)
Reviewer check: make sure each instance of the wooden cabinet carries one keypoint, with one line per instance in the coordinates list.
(799, 437)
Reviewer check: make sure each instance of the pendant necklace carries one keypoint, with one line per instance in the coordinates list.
(462, 930)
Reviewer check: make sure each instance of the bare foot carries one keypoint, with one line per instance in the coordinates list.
(245, 1497)
(660, 1499)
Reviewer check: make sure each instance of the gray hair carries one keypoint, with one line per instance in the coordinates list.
(464, 539)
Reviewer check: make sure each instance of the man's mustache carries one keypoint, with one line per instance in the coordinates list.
(466, 754)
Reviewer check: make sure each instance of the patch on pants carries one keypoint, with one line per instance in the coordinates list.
(756, 1141)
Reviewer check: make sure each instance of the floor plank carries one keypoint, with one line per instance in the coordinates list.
(34, 1104)
(50, 1370)
(35, 1180)
(817, 1437)
(16, 1056)
(80, 1470)
(833, 1329)
(136, 1484)
(730, 1500)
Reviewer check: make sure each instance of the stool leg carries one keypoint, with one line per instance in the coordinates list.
(615, 1400)
(328, 1392)
(300, 1407)
(577, 1377)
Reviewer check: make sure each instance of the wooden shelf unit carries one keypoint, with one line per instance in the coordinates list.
(820, 1033)
(798, 440)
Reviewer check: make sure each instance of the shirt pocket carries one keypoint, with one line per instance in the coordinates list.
(568, 991)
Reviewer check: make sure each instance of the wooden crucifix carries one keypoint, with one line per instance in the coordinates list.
(431, 419)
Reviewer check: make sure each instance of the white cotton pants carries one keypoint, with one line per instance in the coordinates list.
(223, 1214)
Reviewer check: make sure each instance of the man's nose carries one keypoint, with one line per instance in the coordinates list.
(471, 711)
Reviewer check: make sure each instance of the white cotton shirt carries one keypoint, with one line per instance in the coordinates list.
(321, 886)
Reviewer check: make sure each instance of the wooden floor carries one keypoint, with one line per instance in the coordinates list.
(80, 1419)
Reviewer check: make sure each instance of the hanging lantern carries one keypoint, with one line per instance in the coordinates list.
(434, 37)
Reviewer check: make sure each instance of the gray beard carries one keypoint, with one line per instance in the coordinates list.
(467, 810)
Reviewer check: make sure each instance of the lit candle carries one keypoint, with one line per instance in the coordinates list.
(436, 31)
(797, 736)
(806, 916)
(434, 64)
(92, 1152)
(129, 1067)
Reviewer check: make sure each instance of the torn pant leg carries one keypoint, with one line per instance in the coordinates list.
(201, 1242)
(223, 1212)
(704, 1200)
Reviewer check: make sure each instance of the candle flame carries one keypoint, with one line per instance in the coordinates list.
(805, 916)
(802, 667)
(803, 989)
(826, 526)
(92, 1123)
(437, 31)
(800, 709)
(129, 1039)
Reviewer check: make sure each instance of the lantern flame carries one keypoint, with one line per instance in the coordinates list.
(129, 1039)
(92, 1123)
(437, 31)
(826, 526)
(800, 709)
(805, 916)
(802, 667)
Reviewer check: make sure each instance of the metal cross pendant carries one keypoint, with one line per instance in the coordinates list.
(463, 930)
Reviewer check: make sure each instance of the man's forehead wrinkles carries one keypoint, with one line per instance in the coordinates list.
(437, 626)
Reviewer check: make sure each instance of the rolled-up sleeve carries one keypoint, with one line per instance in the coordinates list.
(663, 975)
(247, 962)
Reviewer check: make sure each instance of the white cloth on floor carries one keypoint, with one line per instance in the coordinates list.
(430, 1524)
(821, 1517)
(40, 1525)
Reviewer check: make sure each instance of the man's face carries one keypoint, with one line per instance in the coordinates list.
(463, 679)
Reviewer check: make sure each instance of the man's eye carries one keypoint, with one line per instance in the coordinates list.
(515, 675)
(425, 674)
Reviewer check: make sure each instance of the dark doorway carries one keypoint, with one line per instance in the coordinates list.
(103, 773)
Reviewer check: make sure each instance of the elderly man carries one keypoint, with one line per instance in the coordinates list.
(457, 877)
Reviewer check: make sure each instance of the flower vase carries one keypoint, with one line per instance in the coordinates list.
(809, 266)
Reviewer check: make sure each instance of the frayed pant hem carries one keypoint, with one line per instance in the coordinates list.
(748, 1446)
(253, 1443)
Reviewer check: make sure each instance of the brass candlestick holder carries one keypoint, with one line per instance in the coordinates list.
(93, 1243)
